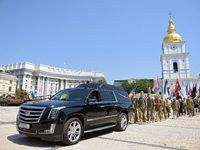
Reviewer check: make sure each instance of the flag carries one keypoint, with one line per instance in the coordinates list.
(193, 95)
(166, 88)
(156, 86)
(64, 94)
(31, 96)
(172, 93)
(177, 88)
(199, 91)
(149, 91)
(131, 93)
(186, 87)
(189, 92)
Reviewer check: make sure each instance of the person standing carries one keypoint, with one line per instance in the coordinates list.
(161, 108)
(175, 107)
(142, 106)
(164, 108)
(167, 107)
(181, 106)
(157, 108)
(150, 108)
(195, 105)
(134, 101)
(184, 106)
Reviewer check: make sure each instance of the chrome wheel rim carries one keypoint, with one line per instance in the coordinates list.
(123, 121)
(74, 131)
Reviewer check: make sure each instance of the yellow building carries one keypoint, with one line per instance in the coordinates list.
(7, 84)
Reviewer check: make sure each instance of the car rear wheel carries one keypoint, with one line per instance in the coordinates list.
(73, 130)
(122, 122)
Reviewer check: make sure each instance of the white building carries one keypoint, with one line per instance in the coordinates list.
(45, 80)
(175, 61)
(7, 83)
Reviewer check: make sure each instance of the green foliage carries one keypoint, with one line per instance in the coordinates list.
(20, 91)
(102, 81)
(142, 85)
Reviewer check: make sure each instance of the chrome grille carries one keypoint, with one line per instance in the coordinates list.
(30, 114)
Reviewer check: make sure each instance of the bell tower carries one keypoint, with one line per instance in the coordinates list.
(174, 59)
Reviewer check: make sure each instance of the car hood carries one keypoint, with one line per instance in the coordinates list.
(51, 103)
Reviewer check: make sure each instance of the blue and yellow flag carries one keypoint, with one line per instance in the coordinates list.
(31, 96)
(131, 95)
(166, 88)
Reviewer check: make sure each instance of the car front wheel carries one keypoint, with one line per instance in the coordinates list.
(122, 122)
(73, 130)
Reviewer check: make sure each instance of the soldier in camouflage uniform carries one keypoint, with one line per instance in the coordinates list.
(150, 108)
(184, 106)
(142, 105)
(157, 107)
(167, 107)
(175, 106)
(134, 101)
(164, 109)
(190, 107)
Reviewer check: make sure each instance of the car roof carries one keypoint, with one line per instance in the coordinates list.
(102, 86)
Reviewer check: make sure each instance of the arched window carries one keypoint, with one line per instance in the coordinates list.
(175, 66)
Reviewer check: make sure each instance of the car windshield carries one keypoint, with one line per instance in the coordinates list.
(70, 94)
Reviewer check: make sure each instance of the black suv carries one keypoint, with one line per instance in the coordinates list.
(70, 113)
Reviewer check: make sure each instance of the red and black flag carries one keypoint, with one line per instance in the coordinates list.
(177, 89)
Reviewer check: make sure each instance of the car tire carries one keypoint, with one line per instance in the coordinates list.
(73, 131)
(122, 122)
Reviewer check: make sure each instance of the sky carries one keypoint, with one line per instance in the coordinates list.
(122, 38)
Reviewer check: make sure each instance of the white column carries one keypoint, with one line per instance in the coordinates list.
(47, 87)
(34, 83)
(43, 88)
(19, 81)
(61, 85)
(29, 83)
(24, 81)
(38, 86)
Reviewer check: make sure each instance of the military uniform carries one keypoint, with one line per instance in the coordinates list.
(134, 101)
(190, 107)
(142, 105)
(164, 108)
(175, 107)
(167, 108)
(150, 109)
(158, 108)
(184, 106)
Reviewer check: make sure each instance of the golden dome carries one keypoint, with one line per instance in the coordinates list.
(172, 35)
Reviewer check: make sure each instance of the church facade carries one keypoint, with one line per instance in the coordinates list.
(175, 62)
(47, 80)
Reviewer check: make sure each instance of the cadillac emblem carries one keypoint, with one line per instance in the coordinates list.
(27, 112)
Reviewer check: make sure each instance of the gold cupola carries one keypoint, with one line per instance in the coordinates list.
(172, 36)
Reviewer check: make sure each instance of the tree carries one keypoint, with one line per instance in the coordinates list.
(20, 91)
(102, 81)
(142, 85)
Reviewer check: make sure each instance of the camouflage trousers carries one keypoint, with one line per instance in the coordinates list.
(133, 117)
(164, 113)
(158, 114)
(142, 115)
(175, 112)
(150, 114)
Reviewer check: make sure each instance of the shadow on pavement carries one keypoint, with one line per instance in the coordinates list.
(32, 142)
(36, 142)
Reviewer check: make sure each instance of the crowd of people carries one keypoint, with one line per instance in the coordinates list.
(147, 109)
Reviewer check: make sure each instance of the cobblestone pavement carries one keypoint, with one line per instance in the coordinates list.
(182, 133)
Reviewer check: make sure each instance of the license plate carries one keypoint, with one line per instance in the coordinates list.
(25, 126)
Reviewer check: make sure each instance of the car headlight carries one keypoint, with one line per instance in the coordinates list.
(54, 112)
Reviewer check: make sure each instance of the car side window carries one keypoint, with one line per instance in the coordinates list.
(94, 95)
(107, 96)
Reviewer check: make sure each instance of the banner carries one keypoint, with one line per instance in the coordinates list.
(156, 86)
